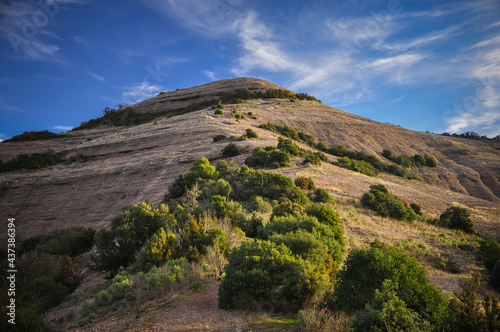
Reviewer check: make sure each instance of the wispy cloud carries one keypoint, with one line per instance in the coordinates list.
(9, 109)
(396, 100)
(139, 92)
(26, 36)
(97, 77)
(209, 74)
(62, 128)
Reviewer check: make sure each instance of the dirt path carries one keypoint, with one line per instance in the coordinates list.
(198, 312)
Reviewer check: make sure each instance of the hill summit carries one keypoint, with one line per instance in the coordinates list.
(182, 98)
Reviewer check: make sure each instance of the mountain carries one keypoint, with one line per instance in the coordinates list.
(125, 165)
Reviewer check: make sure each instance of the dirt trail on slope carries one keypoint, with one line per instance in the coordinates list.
(198, 312)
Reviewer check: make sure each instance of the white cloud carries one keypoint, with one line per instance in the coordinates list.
(63, 128)
(97, 77)
(494, 40)
(209, 74)
(139, 92)
(396, 100)
(206, 17)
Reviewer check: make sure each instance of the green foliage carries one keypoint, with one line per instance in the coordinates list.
(387, 154)
(325, 214)
(495, 275)
(365, 270)
(304, 183)
(259, 204)
(315, 159)
(287, 208)
(470, 314)
(331, 236)
(379, 199)
(160, 248)
(47, 292)
(33, 136)
(218, 138)
(290, 133)
(130, 230)
(251, 134)
(125, 117)
(287, 145)
(261, 158)
(231, 150)
(262, 273)
(322, 146)
(27, 319)
(200, 171)
(30, 161)
(360, 166)
(387, 312)
(218, 111)
(491, 259)
(71, 241)
(322, 196)
(416, 208)
(456, 217)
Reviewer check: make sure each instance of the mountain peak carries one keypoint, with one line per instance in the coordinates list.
(181, 98)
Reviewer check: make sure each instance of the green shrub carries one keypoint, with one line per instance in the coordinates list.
(491, 253)
(387, 312)
(365, 270)
(322, 196)
(218, 138)
(495, 275)
(27, 319)
(331, 236)
(86, 309)
(259, 204)
(30, 161)
(287, 208)
(161, 247)
(251, 134)
(231, 150)
(430, 162)
(130, 230)
(304, 183)
(416, 208)
(264, 274)
(200, 171)
(46, 292)
(315, 159)
(360, 166)
(218, 111)
(325, 214)
(287, 145)
(268, 159)
(33, 136)
(197, 286)
(130, 297)
(456, 217)
(379, 199)
(322, 146)
(387, 154)
(470, 314)
(72, 241)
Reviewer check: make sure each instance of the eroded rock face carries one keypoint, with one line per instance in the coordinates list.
(127, 165)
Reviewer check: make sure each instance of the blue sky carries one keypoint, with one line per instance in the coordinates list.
(424, 65)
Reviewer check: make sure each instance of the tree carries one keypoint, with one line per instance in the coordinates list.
(457, 218)
(387, 154)
(160, 248)
(231, 150)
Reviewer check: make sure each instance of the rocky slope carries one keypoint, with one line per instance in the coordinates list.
(126, 165)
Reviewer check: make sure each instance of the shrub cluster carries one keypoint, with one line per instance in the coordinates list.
(33, 136)
(456, 217)
(290, 133)
(491, 259)
(30, 161)
(268, 158)
(367, 270)
(379, 199)
(417, 160)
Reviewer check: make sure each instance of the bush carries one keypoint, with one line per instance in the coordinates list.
(259, 204)
(264, 274)
(379, 199)
(218, 138)
(33, 136)
(30, 161)
(72, 241)
(387, 154)
(304, 183)
(200, 171)
(315, 159)
(322, 196)
(287, 209)
(231, 150)
(322, 146)
(360, 166)
(325, 214)
(416, 208)
(130, 230)
(47, 292)
(387, 312)
(160, 248)
(27, 319)
(491, 253)
(218, 111)
(251, 134)
(268, 159)
(456, 217)
(365, 270)
(288, 146)
(331, 236)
